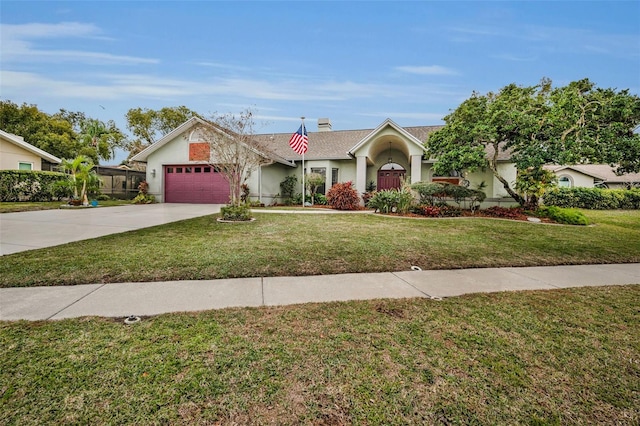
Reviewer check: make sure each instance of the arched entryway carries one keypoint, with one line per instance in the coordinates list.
(390, 176)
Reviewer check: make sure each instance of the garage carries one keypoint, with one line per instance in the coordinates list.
(200, 184)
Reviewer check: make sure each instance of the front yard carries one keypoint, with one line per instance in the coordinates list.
(566, 356)
(537, 358)
(310, 244)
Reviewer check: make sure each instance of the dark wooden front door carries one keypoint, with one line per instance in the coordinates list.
(390, 179)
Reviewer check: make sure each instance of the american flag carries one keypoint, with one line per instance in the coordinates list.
(299, 141)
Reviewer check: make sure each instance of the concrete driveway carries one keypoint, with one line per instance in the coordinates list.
(46, 228)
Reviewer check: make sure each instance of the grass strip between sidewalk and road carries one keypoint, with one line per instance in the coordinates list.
(315, 244)
(567, 356)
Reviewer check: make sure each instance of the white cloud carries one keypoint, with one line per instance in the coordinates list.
(19, 45)
(427, 70)
(36, 30)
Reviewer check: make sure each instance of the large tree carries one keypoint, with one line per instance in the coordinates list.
(234, 150)
(101, 138)
(149, 125)
(64, 134)
(50, 133)
(539, 125)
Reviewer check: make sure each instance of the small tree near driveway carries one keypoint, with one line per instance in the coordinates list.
(234, 151)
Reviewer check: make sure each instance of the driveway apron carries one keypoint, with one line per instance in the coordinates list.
(46, 228)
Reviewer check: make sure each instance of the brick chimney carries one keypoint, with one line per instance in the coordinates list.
(324, 125)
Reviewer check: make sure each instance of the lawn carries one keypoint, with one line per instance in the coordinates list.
(539, 358)
(24, 206)
(310, 244)
(569, 356)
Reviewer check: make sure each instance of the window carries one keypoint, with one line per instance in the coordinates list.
(321, 171)
(334, 176)
(198, 170)
(25, 166)
(178, 169)
(564, 182)
(207, 169)
(187, 169)
(169, 169)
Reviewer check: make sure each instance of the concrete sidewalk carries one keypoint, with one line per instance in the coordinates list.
(121, 300)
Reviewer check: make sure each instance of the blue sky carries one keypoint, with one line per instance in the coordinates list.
(354, 62)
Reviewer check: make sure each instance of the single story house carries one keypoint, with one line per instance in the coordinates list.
(179, 167)
(16, 154)
(593, 176)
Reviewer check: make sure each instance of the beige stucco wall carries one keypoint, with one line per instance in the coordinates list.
(577, 179)
(270, 177)
(175, 151)
(11, 155)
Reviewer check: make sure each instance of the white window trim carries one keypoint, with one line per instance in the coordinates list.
(569, 178)
(25, 162)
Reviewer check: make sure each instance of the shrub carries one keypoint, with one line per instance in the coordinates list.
(318, 198)
(288, 188)
(236, 213)
(429, 211)
(428, 192)
(391, 200)
(439, 211)
(62, 189)
(593, 198)
(29, 185)
(563, 215)
(504, 212)
(343, 196)
(143, 199)
(435, 193)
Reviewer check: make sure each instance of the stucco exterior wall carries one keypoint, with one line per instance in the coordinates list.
(11, 155)
(577, 179)
(175, 151)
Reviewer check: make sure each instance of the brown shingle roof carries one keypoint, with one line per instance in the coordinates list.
(334, 144)
(602, 172)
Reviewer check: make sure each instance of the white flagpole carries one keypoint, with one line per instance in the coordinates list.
(303, 188)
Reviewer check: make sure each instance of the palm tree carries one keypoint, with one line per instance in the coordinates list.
(101, 137)
(80, 170)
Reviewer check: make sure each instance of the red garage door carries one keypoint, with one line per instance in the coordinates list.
(195, 184)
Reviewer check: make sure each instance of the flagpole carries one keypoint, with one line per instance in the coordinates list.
(303, 188)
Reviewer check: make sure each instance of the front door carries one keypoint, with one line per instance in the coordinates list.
(390, 177)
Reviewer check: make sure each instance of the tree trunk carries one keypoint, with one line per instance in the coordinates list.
(506, 186)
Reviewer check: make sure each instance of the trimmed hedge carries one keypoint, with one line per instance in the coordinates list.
(563, 215)
(30, 185)
(593, 198)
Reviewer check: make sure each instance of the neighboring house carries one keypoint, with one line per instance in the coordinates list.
(592, 176)
(119, 181)
(179, 166)
(16, 154)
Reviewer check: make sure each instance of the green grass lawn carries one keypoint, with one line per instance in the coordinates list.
(310, 244)
(569, 356)
(23, 206)
(537, 358)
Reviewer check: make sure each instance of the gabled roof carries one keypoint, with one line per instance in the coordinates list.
(19, 140)
(602, 172)
(390, 123)
(188, 125)
(142, 155)
(337, 144)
